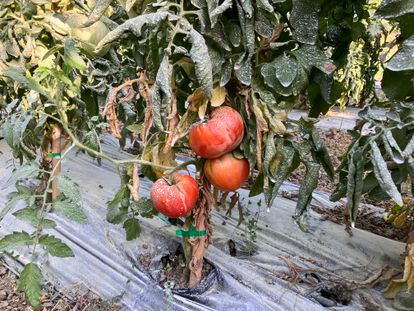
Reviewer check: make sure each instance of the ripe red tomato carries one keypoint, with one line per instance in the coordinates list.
(222, 133)
(227, 173)
(175, 196)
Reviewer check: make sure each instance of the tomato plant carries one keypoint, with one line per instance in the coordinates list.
(207, 76)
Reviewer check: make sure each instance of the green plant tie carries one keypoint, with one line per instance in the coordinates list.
(55, 155)
(190, 233)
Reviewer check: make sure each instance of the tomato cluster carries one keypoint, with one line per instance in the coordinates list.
(214, 140)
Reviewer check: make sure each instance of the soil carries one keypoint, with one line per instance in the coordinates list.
(367, 221)
(174, 272)
(52, 300)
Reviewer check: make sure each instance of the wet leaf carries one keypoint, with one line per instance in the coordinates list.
(307, 187)
(278, 176)
(383, 175)
(202, 62)
(304, 20)
(135, 25)
(97, 12)
(162, 93)
(217, 10)
(265, 5)
(285, 69)
(404, 58)
(311, 56)
(394, 8)
(355, 183)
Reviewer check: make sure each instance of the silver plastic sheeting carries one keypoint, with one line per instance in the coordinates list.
(110, 265)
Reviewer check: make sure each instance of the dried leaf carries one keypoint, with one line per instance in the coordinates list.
(219, 96)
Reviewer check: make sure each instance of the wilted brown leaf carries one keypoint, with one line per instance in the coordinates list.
(218, 97)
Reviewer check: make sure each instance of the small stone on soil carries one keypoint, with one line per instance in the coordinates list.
(3, 295)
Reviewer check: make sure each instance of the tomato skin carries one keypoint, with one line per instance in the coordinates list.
(222, 133)
(175, 199)
(227, 173)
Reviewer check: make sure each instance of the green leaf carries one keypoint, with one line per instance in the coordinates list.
(306, 189)
(72, 57)
(243, 67)
(404, 58)
(355, 184)
(145, 207)
(135, 128)
(55, 246)
(397, 85)
(265, 5)
(30, 83)
(311, 56)
(304, 20)
(383, 175)
(91, 140)
(132, 229)
(71, 211)
(97, 12)
(117, 208)
(392, 147)
(202, 62)
(234, 34)
(319, 151)
(30, 214)
(286, 69)
(69, 188)
(30, 282)
(162, 93)
(22, 172)
(257, 187)
(394, 8)
(15, 239)
(135, 25)
(271, 151)
(279, 175)
(23, 193)
(268, 71)
(216, 10)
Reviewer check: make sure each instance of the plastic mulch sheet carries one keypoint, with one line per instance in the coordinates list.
(285, 269)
